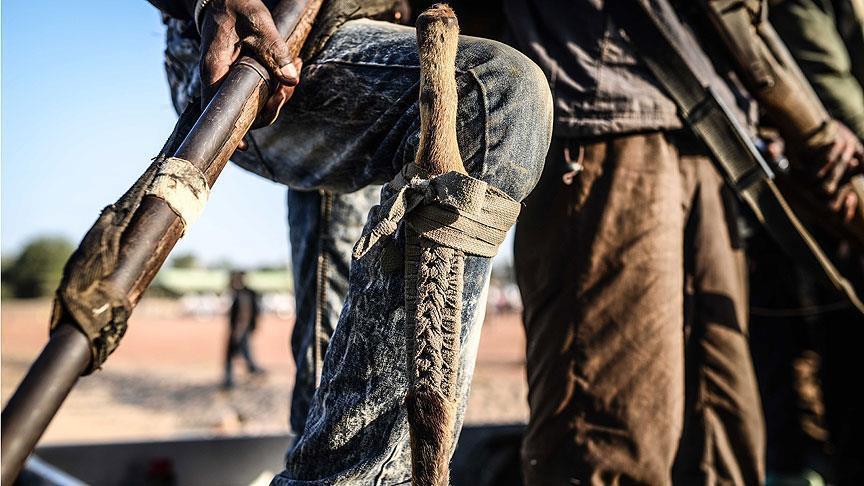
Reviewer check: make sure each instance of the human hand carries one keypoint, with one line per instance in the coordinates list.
(229, 26)
(846, 202)
(837, 162)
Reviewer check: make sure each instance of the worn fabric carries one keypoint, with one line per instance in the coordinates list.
(451, 209)
(599, 84)
(84, 296)
(827, 41)
(323, 228)
(352, 122)
(183, 187)
(723, 441)
(638, 227)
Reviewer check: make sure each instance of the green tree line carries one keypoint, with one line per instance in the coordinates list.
(36, 270)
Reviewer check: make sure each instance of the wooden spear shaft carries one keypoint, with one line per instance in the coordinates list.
(152, 233)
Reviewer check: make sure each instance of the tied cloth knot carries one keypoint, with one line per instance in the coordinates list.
(453, 209)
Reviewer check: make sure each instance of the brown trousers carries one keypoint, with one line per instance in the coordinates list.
(618, 270)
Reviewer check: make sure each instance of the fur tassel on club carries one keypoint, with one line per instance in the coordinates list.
(430, 418)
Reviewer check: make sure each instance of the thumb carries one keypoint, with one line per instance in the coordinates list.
(270, 49)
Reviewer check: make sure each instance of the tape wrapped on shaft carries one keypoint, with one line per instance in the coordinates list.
(183, 187)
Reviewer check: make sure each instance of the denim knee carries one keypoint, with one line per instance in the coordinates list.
(518, 116)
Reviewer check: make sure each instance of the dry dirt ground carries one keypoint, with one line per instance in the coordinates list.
(164, 379)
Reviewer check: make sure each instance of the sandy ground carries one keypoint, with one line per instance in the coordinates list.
(164, 379)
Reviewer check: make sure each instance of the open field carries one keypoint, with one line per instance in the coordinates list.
(164, 379)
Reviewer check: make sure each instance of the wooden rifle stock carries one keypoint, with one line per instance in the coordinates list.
(153, 231)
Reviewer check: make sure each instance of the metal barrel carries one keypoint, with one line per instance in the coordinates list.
(152, 233)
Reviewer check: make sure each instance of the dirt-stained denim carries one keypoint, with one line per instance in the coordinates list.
(354, 121)
(323, 228)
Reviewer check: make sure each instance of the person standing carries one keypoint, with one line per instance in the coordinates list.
(628, 253)
(242, 321)
(644, 259)
(354, 122)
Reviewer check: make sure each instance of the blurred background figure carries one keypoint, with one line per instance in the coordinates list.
(242, 320)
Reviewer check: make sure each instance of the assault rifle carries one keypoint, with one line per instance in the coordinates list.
(688, 76)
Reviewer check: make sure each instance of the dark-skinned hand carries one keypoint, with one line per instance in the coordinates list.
(839, 162)
(229, 26)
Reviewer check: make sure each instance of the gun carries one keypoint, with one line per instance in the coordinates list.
(685, 72)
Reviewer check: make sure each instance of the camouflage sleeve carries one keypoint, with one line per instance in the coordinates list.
(173, 8)
(809, 29)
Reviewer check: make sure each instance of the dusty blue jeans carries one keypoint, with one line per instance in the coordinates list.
(354, 122)
(323, 227)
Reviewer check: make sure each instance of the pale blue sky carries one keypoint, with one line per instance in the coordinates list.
(85, 106)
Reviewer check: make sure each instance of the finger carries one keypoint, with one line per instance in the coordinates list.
(858, 158)
(269, 47)
(851, 206)
(849, 152)
(841, 169)
(840, 145)
(219, 50)
(242, 146)
(829, 160)
(270, 111)
(833, 154)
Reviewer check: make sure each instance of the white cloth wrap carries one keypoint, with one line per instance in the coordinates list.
(183, 187)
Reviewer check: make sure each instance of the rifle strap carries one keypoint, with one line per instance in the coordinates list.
(657, 34)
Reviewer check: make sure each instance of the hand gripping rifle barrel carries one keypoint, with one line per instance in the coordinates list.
(149, 232)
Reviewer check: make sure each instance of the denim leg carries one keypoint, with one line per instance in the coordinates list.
(360, 122)
(354, 120)
(322, 227)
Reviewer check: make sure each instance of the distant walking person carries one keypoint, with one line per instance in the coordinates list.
(242, 319)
